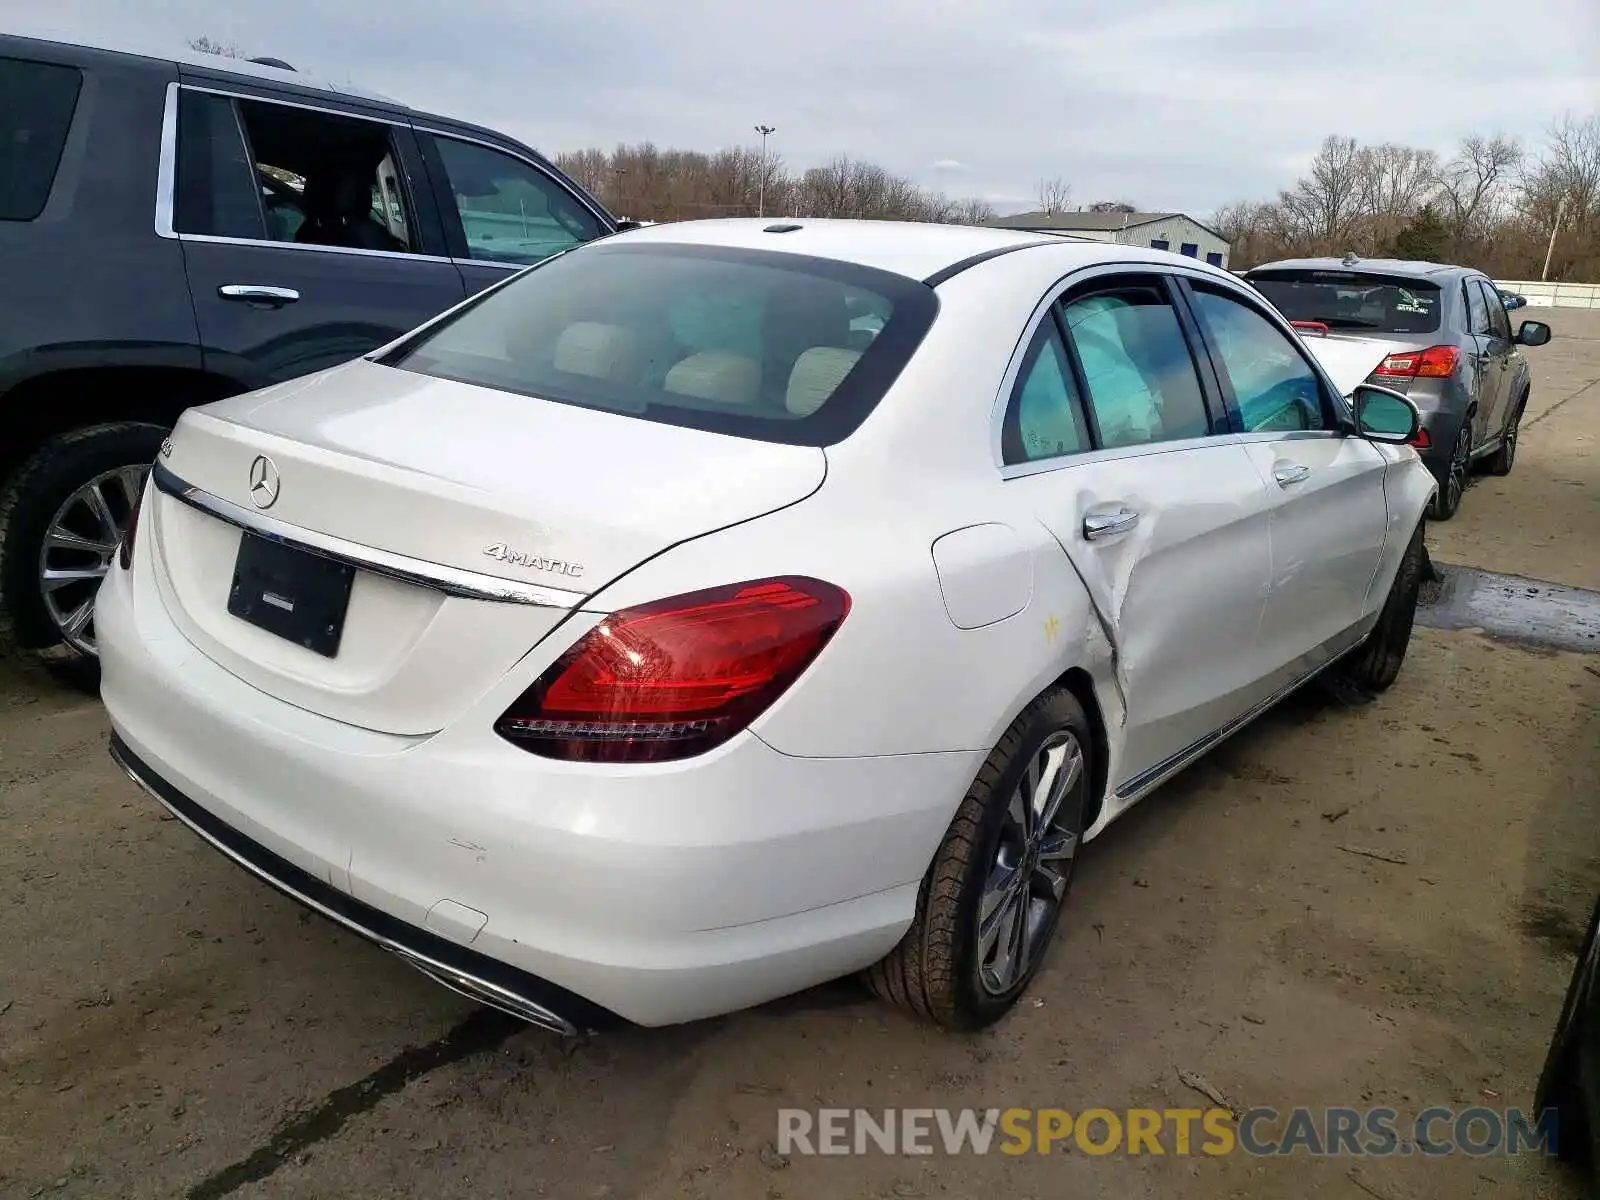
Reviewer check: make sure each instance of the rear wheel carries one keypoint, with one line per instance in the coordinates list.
(61, 519)
(1503, 459)
(1375, 664)
(991, 899)
(1454, 484)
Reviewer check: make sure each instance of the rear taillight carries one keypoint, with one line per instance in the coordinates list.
(1420, 439)
(125, 549)
(675, 677)
(1436, 362)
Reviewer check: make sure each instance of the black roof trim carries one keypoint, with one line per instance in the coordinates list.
(945, 274)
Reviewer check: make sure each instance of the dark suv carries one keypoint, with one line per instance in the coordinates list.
(1445, 341)
(175, 230)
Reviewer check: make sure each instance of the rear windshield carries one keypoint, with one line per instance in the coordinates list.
(1353, 300)
(760, 344)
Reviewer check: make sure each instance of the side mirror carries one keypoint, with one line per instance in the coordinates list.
(1533, 333)
(624, 225)
(1385, 416)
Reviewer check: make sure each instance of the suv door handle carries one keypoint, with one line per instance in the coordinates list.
(258, 293)
(1289, 473)
(1097, 525)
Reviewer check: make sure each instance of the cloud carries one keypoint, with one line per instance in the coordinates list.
(1172, 105)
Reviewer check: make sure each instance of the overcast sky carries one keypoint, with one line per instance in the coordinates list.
(1179, 105)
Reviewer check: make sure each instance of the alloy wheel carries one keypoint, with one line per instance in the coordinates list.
(1460, 464)
(1511, 440)
(1032, 863)
(80, 545)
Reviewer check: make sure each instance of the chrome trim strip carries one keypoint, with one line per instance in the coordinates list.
(167, 164)
(267, 243)
(1146, 780)
(452, 581)
(459, 981)
(212, 90)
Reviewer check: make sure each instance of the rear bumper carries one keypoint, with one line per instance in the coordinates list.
(460, 968)
(658, 893)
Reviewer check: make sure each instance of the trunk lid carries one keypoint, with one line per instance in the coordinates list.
(1350, 359)
(426, 480)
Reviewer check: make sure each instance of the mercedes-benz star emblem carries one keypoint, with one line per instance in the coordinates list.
(263, 482)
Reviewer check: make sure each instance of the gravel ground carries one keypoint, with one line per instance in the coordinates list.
(168, 1027)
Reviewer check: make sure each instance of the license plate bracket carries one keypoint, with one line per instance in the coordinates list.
(292, 592)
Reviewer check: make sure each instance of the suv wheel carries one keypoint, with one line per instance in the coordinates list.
(1503, 459)
(61, 519)
(1448, 498)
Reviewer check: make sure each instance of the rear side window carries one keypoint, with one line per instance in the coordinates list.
(1477, 308)
(1137, 369)
(761, 344)
(217, 192)
(1045, 418)
(1355, 300)
(36, 106)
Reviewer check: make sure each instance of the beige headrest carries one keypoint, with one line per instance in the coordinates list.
(817, 374)
(599, 351)
(717, 376)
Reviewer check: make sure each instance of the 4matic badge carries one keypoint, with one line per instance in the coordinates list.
(521, 558)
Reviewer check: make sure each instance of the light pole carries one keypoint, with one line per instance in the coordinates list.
(761, 180)
(1551, 248)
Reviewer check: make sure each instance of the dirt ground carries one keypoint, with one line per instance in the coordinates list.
(169, 1027)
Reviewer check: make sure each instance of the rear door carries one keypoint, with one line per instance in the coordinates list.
(1499, 350)
(1328, 511)
(1484, 368)
(502, 210)
(1109, 435)
(308, 241)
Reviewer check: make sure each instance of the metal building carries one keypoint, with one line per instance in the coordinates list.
(1176, 232)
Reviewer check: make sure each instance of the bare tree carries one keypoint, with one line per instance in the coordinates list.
(1054, 194)
(210, 45)
(1323, 205)
(1473, 185)
(1112, 206)
(1393, 183)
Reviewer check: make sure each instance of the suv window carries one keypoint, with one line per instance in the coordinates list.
(511, 211)
(1273, 384)
(216, 188)
(1141, 379)
(758, 344)
(263, 171)
(1352, 299)
(37, 101)
(1499, 320)
(1045, 416)
(1477, 308)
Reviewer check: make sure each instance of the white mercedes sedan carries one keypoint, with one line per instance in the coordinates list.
(724, 607)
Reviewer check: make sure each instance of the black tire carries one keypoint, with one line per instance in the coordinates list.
(937, 971)
(1503, 459)
(1560, 1081)
(30, 502)
(1375, 664)
(1453, 485)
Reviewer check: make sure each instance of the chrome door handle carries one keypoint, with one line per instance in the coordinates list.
(1109, 524)
(258, 293)
(1290, 473)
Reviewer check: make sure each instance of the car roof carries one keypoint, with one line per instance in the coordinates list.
(921, 250)
(218, 64)
(1410, 268)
